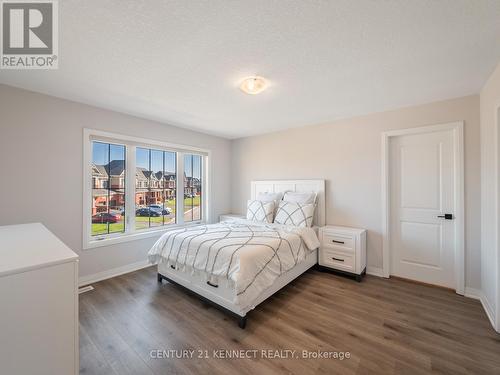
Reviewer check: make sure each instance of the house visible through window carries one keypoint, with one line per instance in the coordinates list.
(134, 187)
(155, 188)
(108, 188)
(192, 187)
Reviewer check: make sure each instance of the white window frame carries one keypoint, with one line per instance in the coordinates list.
(131, 143)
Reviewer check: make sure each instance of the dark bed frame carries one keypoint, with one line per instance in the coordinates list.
(242, 320)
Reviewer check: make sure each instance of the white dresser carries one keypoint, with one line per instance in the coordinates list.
(38, 302)
(343, 249)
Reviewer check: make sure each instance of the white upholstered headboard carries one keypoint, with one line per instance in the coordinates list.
(301, 186)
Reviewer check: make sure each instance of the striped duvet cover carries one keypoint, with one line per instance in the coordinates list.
(250, 255)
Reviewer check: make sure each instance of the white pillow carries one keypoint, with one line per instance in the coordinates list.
(268, 197)
(260, 211)
(304, 198)
(293, 213)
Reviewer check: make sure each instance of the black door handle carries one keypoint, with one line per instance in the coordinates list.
(446, 216)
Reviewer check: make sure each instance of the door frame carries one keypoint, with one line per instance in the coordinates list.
(458, 143)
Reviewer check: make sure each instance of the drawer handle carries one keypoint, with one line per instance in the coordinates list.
(214, 285)
(338, 259)
(341, 242)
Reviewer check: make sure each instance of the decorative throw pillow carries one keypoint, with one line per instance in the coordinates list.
(293, 213)
(260, 211)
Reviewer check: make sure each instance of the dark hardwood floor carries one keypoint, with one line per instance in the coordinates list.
(388, 326)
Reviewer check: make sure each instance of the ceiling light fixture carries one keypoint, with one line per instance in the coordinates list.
(253, 85)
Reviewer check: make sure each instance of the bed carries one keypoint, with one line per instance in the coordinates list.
(238, 264)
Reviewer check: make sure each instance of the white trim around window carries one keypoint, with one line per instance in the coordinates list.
(130, 142)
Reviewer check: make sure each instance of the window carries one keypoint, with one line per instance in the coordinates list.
(135, 188)
(108, 188)
(155, 188)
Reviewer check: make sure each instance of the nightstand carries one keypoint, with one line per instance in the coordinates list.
(343, 249)
(230, 217)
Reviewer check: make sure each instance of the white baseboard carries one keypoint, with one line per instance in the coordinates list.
(479, 295)
(375, 271)
(489, 311)
(85, 289)
(89, 279)
(473, 293)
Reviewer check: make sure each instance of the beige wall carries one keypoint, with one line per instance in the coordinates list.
(490, 105)
(347, 154)
(41, 141)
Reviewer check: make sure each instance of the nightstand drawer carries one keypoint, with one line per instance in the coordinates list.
(336, 240)
(337, 259)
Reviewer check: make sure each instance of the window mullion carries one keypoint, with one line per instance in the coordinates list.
(130, 190)
(179, 200)
(150, 188)
(202, 188)
(162, 186)
(206, 188)
(108, 184)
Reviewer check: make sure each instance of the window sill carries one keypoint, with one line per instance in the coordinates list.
(127, 237)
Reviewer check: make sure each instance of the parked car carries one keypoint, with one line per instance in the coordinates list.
(160, 209)
(105, 217)
(147, 212)
(116, 212)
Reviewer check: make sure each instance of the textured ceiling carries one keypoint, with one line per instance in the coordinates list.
(180, 62)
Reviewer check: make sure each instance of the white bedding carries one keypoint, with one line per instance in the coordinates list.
(250, 255)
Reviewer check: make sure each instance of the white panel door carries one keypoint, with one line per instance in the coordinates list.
(421, 192)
